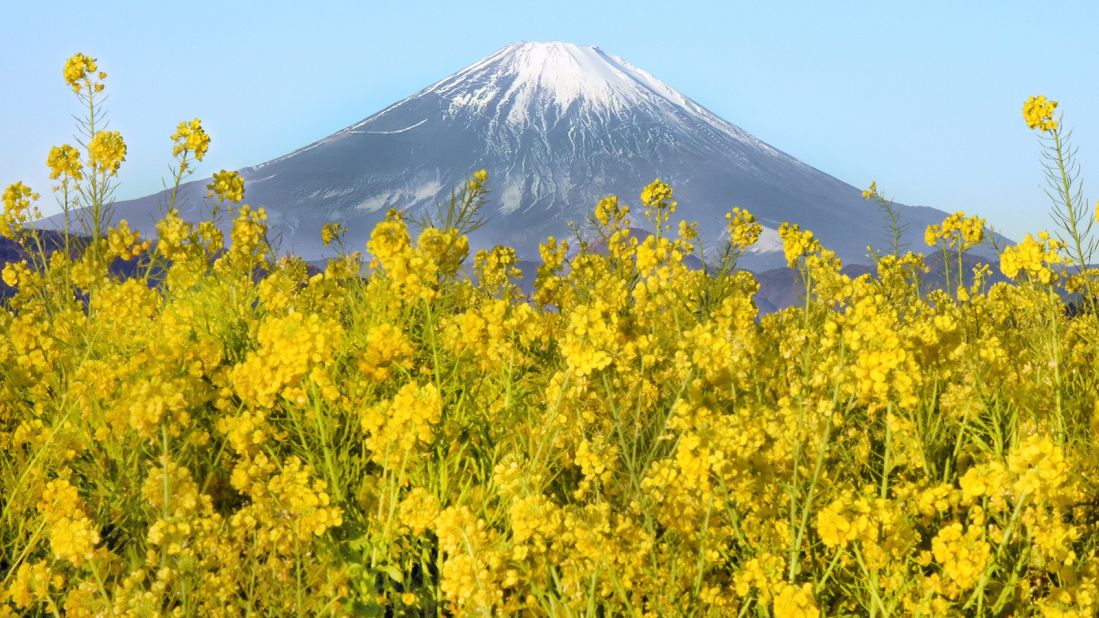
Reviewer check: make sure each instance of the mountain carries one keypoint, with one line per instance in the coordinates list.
(557, 126)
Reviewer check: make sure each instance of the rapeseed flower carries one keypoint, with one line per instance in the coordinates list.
(106, 152)
(227, 186)
(742, 228)
(64, 161)
(1038, 113)
(190, 139)
(82, 71)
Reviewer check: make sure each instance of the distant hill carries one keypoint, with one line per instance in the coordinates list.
(557, 126)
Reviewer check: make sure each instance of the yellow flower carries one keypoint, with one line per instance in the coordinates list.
(1038, 113)
(289, 348)
(1032, 258)
(446, 249)
(30, 585)
(396, 428)
(303, 499)
(81, 70)
(795, 601)
(172, 235)
(227, 186)
(73, 539)
(418, 511)
(107, 151)
(64, 161)
(796, 243)
(962, 554)
(957, 231)
(248, 237)
(386, 348)
(72, 535)
(1039, 466)
(742, 228)
(535, 523)
(843, 521)
(496, 268)
(657, 194)
(330, 232)
(191, 138)
(15, 273)
(477, 181)
(17, 209)
(870, 192)
(414, 272)
(126, 243)
(609, 213)
(590, 337)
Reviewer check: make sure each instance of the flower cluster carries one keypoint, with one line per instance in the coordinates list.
(1032, 258)
(331, 232)
(83, 72)
(73, 536)
(227, 186)
(190, 139)
(106, 152)
(64, 162)
(18, 209)
(742, 228)
(395, 428)
(797, 243)
(658, 202)
(1038, 113)
(957, 232)
(126, 243)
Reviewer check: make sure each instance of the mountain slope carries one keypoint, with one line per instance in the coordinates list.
(557, 126)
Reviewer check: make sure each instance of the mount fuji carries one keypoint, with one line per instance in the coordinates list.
(557, 126)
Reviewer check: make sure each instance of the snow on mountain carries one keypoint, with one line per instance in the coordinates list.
(557, 126)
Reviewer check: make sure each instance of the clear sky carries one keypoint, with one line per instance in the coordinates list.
(924, 97)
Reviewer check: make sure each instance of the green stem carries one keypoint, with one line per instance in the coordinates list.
(1070, 208)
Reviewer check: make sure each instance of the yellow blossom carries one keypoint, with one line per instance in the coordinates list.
(796, 243)
(418, 511)
(870, 192)
(796, 602)
(742, 228)
(331, 232)
(126, 243)
(190, 138)
(107, 151)
(1032, 258)
(18, 211)
(397, 428)
(81, 71)
(64, 161)
(962, 554)
(957, 231)
(227, 186)
(477, 180)
(1038, 113)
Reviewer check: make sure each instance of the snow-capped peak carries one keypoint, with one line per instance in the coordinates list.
(553, 75)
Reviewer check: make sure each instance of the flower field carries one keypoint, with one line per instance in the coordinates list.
(409, 431)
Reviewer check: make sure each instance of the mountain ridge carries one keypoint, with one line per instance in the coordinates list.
(558, 126)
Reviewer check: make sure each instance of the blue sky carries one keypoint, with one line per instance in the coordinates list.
(924, 97)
